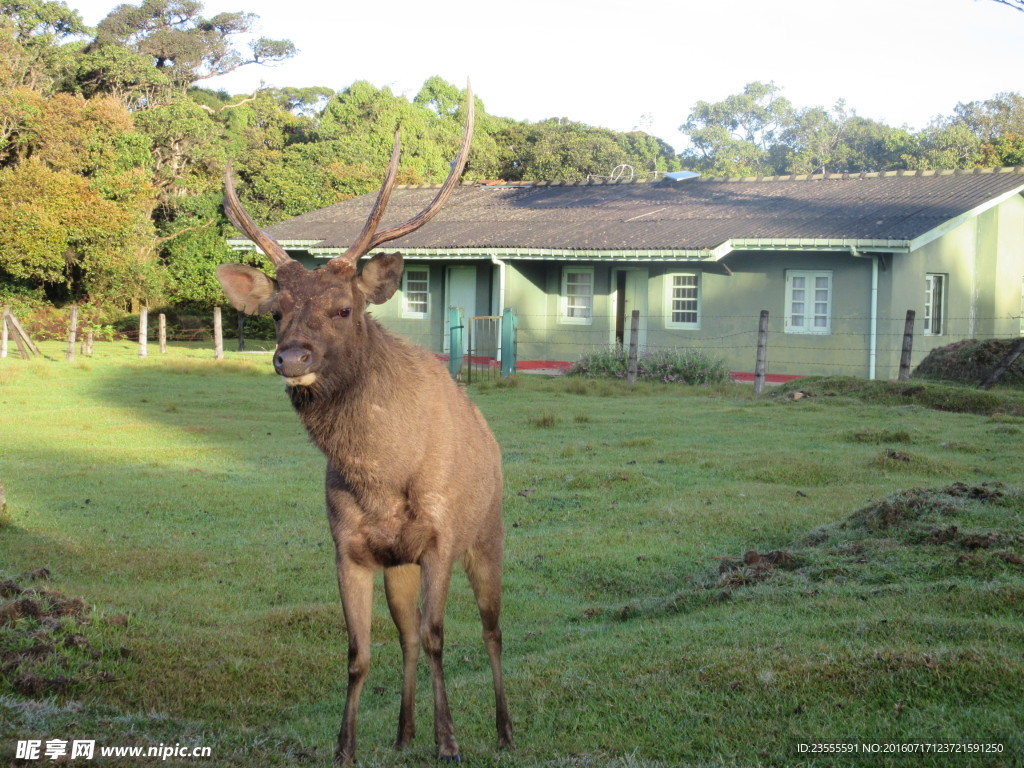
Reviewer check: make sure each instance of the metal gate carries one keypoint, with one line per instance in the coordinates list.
(484, 348)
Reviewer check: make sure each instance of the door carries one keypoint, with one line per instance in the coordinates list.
(630, 294)
(460, 291)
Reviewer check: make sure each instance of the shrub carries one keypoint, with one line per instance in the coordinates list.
(684, 366)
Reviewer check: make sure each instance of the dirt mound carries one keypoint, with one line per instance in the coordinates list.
(961, 533)
(970, 361)
(908, 506)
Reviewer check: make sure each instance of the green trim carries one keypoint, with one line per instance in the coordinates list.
(843, 245)
(536, 254)
(245, 244)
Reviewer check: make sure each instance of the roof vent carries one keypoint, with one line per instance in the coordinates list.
(682, 175)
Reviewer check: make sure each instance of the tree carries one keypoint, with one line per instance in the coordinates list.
(739, 135)
(188, 155)
(560, 149)
(34, 37)
(75, 180)
(178, 41)
(57, 230)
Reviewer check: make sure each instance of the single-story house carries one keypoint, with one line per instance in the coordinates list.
(836, 259)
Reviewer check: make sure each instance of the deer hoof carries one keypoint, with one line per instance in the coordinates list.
(451, 758)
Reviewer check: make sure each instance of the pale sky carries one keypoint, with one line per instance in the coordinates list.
(626, 65)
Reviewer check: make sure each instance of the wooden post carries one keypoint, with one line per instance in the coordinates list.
(1004, 366)
(218, 335)
(4, 332)
(72, 335)
(88, 342)
(908, 345)
(25, 345)
(634, 339)
(143, 331)
(762, 352)
(162, 333)
(241, 332)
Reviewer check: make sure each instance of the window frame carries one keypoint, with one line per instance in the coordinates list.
(564, 316)
(928, 320)
(670, 300)
(413, 314)
(809, 316)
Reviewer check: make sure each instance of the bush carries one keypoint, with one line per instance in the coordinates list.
(970, 361)
(685, 366)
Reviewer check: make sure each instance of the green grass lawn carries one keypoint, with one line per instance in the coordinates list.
(693, 576)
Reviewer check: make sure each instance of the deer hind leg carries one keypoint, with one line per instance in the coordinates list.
(356, 586)
(436, 577)
(483, 567)
(402, 586)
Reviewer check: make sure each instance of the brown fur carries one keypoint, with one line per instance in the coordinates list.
(413, 472)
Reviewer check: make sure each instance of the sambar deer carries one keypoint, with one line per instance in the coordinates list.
(413, 472)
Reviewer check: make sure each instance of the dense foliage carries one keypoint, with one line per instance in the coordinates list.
(112, 156)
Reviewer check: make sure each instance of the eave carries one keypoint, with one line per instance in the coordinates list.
(799, 244)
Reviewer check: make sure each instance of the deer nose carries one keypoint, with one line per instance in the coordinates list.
(293, 361)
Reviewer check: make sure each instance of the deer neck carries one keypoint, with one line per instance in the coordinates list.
(345, 420)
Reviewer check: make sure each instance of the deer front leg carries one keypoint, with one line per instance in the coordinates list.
(436, 576)
(402, 586)
(356, 586)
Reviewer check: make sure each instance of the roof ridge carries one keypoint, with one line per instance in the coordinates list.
(1017, 169)
(828, 175)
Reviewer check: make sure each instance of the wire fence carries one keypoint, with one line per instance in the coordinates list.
(843, 346)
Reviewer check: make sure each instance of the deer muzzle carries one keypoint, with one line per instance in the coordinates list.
(294, 365)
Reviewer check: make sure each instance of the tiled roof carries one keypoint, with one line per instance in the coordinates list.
(688, 215)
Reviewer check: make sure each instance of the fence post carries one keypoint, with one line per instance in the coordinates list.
(762, 350)
(509, 339)
(218, 335)
(241, 332)
(162, 333)
(88, 342)
(26, 346)
(455, 335)
(143, 331)
(908, 345)
(634, 338)
(4, 332)
(72, 335)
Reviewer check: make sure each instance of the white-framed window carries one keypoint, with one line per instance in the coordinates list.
(682, 301)
(808, 301)
(934, 305)
(578, 295)
(416, 292)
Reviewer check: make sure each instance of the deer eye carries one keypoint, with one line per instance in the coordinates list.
(343, 312)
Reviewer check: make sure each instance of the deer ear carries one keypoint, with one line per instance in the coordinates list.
(380, 277)
(249, 290)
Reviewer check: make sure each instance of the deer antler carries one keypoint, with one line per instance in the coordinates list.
(369, 238)
(236, 215)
